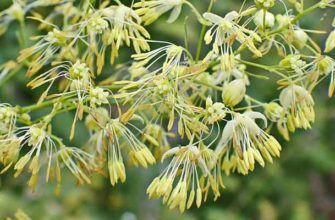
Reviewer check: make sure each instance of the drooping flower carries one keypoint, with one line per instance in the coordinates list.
(110, 136)
(150, 10)
(299, 104)
(125, 29)
(172, 54)
(6, 68)
(20, 8)
(179, 184)
(243, 142)
(225, 31)
(77, 75)
(77, 161)
(276, 113)
(8, 118)
(324, 66)
(44, 49)
(330, 42)
(14, 12)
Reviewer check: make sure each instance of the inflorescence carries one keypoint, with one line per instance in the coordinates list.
(136, 114)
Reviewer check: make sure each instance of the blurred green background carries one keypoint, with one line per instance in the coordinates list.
(298, 186)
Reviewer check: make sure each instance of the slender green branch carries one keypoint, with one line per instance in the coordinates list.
(22, 34)
(186, 34)
(43, 105)
(202, 34)
(264, 67)
(297, 18)
(208, 85)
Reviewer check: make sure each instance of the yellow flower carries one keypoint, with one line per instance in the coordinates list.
(172, 62)
(111, 136)
(78, 78)
(8, 118)
(125, 28)
(225, 30)
(330, 43)
(15, 12)
(151, 10)
(44, 49)
(77, 161)
(325, 66)
(299, 104)
(9, 151)
(243, 142)
(276, 113)
(179, 184)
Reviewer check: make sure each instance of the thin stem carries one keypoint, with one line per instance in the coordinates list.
(22, 34)
(208, 85)
(254, 100)
(268, 68)
(42, 105)
(202, 34)
(186, 34)
(196, 12)
(297, 18)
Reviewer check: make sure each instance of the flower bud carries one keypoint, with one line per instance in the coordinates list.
(98, 24)
(283, 20)
(98, 97)
(274, 111)
(299, 38)
(265, 3)
(259, 19)
(56, 37)
(330, 43)
(234, 92)
(79, 71)
(325, 65)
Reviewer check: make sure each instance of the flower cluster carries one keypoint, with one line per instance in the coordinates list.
(136, 110)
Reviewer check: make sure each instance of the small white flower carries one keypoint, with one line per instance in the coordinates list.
(269, 19)
(222, 31)
(243, 142)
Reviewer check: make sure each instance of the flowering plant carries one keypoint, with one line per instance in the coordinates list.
(139, 112)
